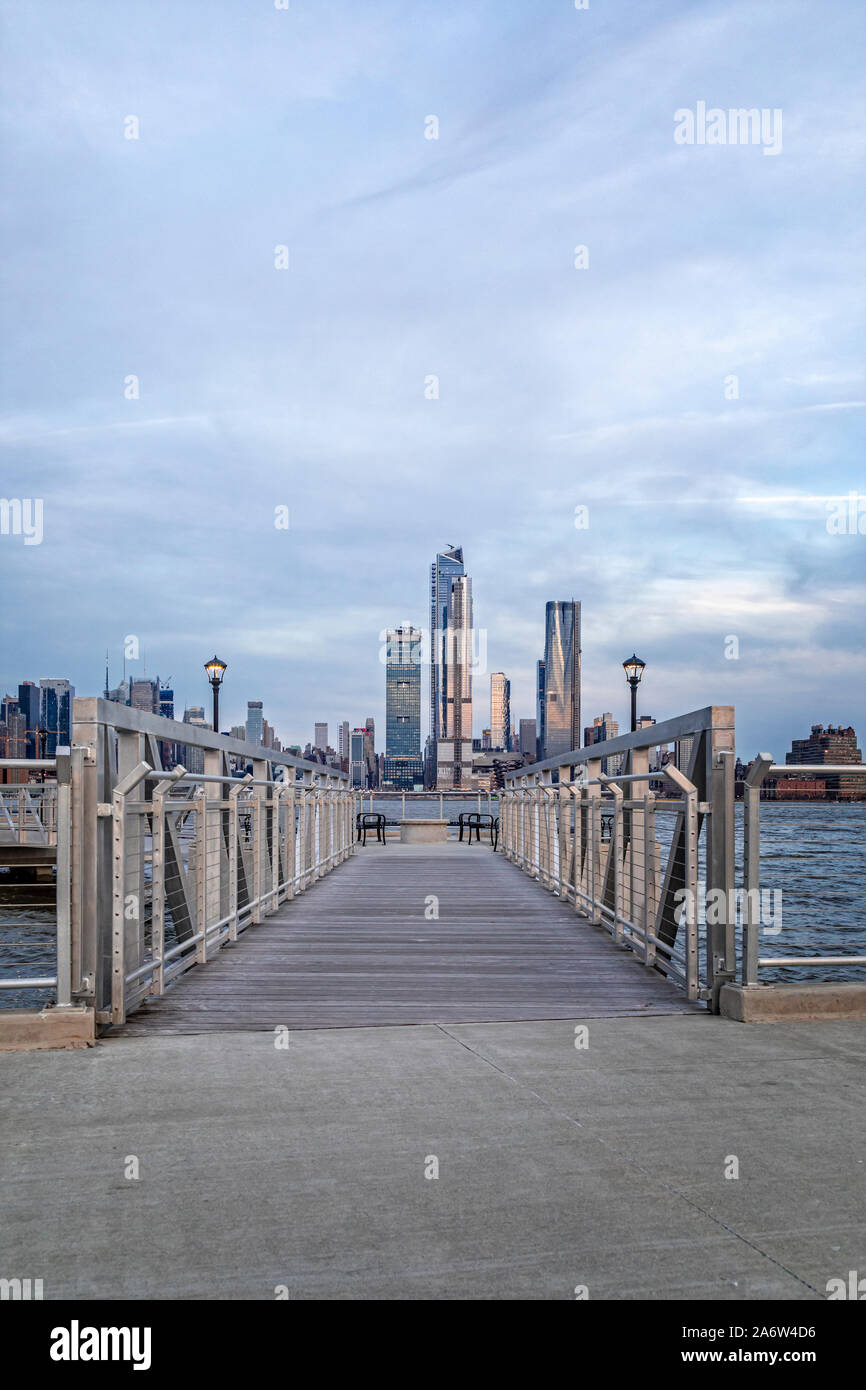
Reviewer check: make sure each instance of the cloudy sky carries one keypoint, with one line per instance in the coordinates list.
(697, 386)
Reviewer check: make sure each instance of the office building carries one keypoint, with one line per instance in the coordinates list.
(539, 710)
(320, 737)
(56, 696)
(358, 772)
(603, 728)
(454, 747)
(191, 757)
(29, 706)
(344, 744)
(403, 692)
(447, 567)
(528, 738)
(500, 711)
(834, 745)
(255, 721)
(562, 728)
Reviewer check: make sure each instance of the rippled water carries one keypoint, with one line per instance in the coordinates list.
(815, 855)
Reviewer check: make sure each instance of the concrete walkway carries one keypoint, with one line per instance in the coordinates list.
(305, 1167)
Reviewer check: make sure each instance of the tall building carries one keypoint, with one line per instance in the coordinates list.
(29, 704)
(320, 737)
(454, 747)
(500, 711)
(539, 710)
(447, 567)
(358, 758)
(833, 745)
(193, 758)
(144, 695)
(561, 677)
(370, 752)
(602, 728)
(403, 691)
(56, 713)
(528, 738)
(344, 740)
(255, 721)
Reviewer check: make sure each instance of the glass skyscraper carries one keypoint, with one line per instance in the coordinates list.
(403, 692)
(561, 707)
(500, 711)
(447, 567)
(56, 701)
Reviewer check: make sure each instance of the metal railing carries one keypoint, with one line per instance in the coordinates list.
(55, 830)
(157, 869)
(597, 841)
(751, 960)
(28, 810)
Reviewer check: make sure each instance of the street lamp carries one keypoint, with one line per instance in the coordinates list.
(634, 669)
(216, 669)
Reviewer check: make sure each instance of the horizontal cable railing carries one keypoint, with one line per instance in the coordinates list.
(623, 831)
(752, 962)
(158, 866)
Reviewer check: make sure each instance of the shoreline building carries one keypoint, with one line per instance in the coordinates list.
(561, 705)
(833, 745)
(500, 712)
(402, 767)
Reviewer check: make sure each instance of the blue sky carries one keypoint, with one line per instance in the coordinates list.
(559, 387)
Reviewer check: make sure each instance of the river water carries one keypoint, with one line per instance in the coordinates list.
(814, 855)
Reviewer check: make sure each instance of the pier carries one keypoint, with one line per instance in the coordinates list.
(280, 1064)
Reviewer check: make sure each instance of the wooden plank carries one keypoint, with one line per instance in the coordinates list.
(358, 951)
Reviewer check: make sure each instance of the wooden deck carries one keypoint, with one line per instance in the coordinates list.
(356, 951)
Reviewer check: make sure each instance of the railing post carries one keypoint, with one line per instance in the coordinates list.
(118, 895)
(201, 873)
(64, 878)
(615, 850)
(650, 897)
(751, 911)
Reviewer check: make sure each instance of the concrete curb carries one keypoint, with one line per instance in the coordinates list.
(792, 1003)
(24, 1030)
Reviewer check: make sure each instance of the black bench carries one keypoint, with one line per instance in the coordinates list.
(370, 820)
(478, 820)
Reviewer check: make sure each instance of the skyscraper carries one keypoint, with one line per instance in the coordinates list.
(255, 721)
(454, 748)
(344, 743)
(528, 738)
(561, 677)
(320, 736)
(500, 711)
(56, 713)
(403, 692)
(447, 567)
(539, 710)
(29, 706)
(358, 758)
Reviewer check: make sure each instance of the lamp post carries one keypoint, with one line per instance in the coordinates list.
(634, 669)
(216, 669)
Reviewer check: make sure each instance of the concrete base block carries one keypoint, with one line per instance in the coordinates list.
(792, 1003)
(23, 1030)
(423, 832)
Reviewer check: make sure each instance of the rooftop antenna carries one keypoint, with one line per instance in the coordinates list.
(106, 673)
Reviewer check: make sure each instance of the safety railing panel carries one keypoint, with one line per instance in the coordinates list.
(158, 868)
(634, 849)
(764, 922)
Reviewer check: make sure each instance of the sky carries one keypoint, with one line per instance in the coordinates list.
(693, 379)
